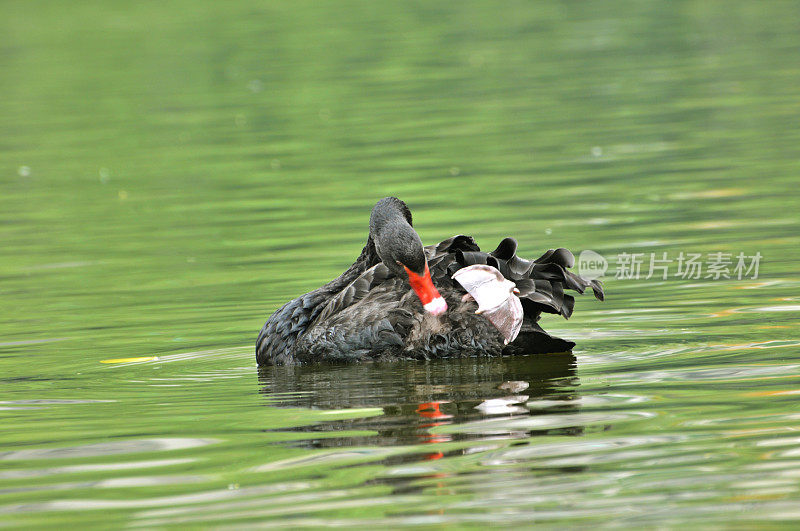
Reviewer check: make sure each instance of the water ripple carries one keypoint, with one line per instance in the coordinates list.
(109, 448)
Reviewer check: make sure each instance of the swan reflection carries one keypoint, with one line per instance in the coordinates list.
(421, 402)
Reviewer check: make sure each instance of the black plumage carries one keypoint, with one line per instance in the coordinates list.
(371, 313)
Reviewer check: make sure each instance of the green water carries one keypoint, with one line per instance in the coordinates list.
(172, 172)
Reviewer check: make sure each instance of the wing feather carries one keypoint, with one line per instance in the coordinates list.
(495, 297)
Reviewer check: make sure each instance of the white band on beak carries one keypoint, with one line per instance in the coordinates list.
(436, 306)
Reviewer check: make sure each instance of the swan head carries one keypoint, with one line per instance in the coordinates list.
(400, 249)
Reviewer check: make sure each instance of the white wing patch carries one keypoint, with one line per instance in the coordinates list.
(496, 298)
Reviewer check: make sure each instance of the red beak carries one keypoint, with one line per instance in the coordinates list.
(426, 291)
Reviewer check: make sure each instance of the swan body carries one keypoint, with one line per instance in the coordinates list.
(401, 300)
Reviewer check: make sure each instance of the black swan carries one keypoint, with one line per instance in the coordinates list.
(401, 300)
